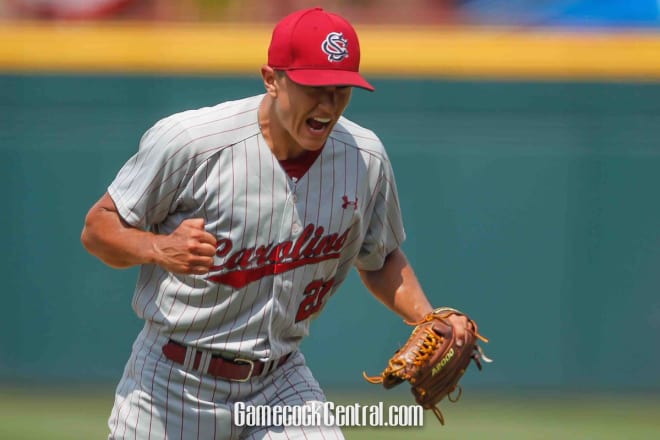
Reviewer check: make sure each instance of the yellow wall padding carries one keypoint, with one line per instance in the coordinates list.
(389, 51)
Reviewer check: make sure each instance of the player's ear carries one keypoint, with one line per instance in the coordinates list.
(270, 80)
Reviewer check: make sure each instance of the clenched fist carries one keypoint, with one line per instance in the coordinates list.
(189, 249)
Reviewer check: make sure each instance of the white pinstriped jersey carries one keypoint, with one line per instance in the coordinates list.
(284, 246)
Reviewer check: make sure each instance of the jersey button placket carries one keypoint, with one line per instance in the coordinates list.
(289, 229)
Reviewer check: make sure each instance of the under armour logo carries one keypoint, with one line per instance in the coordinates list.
(347, 203)
(335, 46)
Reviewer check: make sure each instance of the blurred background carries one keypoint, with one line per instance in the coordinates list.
(525, 136)
(588, 13)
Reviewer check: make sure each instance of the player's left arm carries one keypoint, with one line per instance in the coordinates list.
(397, 287)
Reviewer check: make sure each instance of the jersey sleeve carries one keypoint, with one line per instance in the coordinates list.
(385, 231)
(147, 187)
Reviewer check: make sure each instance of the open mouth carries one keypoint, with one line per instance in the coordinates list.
(318, 125)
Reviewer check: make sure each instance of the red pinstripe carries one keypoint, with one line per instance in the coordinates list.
(270, 226)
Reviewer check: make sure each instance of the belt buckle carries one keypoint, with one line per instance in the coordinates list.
(249, 375)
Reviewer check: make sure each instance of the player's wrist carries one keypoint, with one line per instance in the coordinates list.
(153, 251)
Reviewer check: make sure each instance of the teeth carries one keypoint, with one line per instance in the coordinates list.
(322, 120)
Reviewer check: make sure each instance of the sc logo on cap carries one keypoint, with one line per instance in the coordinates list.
(335, 46)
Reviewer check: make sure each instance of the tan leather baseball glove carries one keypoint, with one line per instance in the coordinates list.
(432, 362)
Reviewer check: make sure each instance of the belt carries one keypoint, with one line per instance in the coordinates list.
(238, 369)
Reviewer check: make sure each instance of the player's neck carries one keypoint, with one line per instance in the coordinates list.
(279, 141)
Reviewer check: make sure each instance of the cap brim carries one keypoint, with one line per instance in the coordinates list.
(320, 78)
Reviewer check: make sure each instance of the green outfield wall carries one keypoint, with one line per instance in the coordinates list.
(534, 206)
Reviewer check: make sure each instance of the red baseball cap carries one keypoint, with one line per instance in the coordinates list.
(317, 48)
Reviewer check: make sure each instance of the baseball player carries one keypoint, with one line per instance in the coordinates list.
(245, 218)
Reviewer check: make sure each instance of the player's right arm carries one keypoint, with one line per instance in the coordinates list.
(189, 249)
